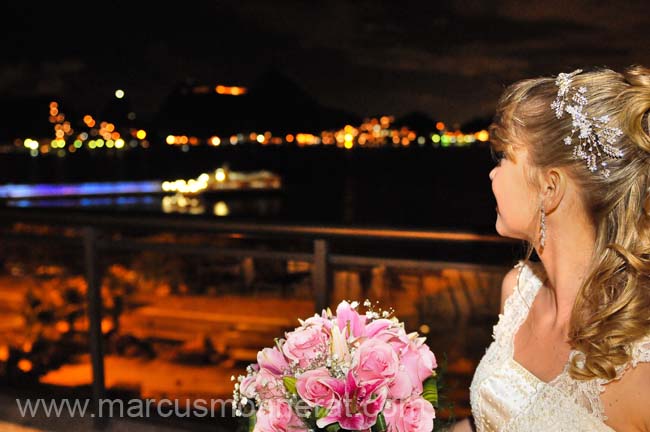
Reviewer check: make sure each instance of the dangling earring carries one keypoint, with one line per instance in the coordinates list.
(542, 227)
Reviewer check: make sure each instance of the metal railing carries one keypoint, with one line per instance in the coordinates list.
(91, 226)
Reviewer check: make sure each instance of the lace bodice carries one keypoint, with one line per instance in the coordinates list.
(507, 397)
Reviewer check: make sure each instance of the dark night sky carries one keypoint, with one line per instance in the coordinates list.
(448, 59)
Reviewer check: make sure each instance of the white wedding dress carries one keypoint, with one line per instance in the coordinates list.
(507, 397)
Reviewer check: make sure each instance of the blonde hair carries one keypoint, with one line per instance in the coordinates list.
(612, 309)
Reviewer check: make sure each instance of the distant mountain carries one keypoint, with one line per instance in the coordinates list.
(117, 111)
(273, 103)
(418, 122)
(25, 117)
(477, 124)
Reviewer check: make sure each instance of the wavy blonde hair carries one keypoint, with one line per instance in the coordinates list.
(612, 309)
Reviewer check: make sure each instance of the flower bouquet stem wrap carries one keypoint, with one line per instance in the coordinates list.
(348, 371)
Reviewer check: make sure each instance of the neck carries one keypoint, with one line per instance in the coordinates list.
(567, 258)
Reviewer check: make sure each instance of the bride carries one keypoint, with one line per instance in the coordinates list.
(571, 350)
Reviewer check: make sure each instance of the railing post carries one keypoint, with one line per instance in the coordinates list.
(320, 275)
(93, 279)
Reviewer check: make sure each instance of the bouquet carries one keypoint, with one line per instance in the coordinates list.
(346, 372)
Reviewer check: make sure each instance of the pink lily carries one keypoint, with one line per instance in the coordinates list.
(347, 317)
(358, 405)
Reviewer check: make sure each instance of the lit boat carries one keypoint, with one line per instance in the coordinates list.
(58, 190)
(223, 180)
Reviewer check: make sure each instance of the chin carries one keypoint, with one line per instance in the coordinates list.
(499, 228)
(504, 232)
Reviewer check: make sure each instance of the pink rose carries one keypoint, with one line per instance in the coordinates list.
(268, 385)
(272, 360)
(401, 387)
(427, 358)
(314, 388)
(276, 415)
(419, 362)
(377, 326)
(247, 386)
(411, 415)
(347, 317)
(304, 344)
(388, 332)
(319, 321)
(375, 359)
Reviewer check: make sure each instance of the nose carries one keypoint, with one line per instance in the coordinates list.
(491, 175)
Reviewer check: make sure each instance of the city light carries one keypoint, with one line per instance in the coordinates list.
(230, 90)
(483, 136)
(221, 209)
(30, 144)
(372, 132)
(119, 93)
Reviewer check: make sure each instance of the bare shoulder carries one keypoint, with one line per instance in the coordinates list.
(508, 284)
(626, 401)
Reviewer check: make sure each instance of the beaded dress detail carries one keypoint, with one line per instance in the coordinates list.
(507, 397)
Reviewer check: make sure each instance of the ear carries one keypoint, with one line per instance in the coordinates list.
(553, 188)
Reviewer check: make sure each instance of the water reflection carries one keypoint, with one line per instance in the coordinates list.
(230, 207)
(18, 191)
(234, 207)
(118, 201)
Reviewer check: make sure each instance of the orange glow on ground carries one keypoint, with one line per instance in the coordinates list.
(25, 365)
(4, 353)
(62, 327)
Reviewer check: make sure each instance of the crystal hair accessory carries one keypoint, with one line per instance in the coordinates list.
(596, 140)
